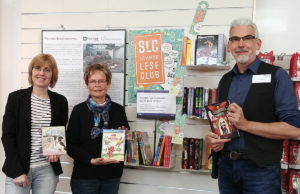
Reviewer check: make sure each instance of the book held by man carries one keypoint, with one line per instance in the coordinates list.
(219, 122)
(113, 144)
(53, 140)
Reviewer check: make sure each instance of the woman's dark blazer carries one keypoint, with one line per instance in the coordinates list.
(16, 130)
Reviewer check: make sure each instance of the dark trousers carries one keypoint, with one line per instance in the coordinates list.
(245, 177)
(95, 186)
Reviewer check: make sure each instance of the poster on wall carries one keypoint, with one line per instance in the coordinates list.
(154, 56)
(74, 50)
(148, 59)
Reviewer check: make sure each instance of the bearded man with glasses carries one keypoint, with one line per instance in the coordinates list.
(263, 107)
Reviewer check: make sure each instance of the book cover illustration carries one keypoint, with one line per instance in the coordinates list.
(217, 116)
(53, 140)
(206, 50)
(113, 144)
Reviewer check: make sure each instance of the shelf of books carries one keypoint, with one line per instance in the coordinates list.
(195, 99)
(193, 153)
(210, 53)
(140, 148)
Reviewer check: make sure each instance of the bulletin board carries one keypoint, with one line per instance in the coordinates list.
(74, 50)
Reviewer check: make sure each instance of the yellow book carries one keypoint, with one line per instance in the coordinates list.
(188, 52)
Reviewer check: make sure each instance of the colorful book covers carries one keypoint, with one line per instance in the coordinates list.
(138, 149)
(192, 153)
(113, 144)
(210, 50)
(163, 152)
(219, 122)
(53, 140)
(195, 99)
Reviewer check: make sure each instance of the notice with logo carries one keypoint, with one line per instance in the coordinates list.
(75, 50)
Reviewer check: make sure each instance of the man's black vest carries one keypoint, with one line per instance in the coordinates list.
(258, 106)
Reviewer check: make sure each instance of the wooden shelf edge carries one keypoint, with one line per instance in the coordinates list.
(148, 167)
(200, 171)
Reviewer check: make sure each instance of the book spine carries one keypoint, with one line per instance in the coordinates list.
(157, 150)
(215, 95)
(170, 151)
(221, 48)
(185, 153)
(201, 152)
(188, 52)
(136, 143)
(147, 146)
(185, 100)
(192, 101)
(210, 93)
(197, 97)
(166, 152)
(160, 156)
(184, 51)
(189, 102)
(207, 159)
(200, 102)
(128, 149)
(142, 146)
(192, 153)
(205, 102)
(197, 153)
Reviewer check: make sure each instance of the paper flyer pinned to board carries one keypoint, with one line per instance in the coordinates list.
(177, 85)
(178, 133)
(199, 17)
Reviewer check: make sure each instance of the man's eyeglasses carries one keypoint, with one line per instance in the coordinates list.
(39, 68)
(236, 39)
(100, 81)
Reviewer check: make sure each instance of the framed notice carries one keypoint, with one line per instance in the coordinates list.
(155, 104)
(74, 50)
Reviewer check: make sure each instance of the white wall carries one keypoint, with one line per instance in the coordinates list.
(278, 23)
(9, 59)
(37, 15)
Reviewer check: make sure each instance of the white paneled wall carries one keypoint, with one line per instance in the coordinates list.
(37, 15)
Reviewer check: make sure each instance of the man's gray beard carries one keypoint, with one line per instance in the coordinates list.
(242, 59)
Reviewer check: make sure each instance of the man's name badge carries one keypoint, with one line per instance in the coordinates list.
(263, 78)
